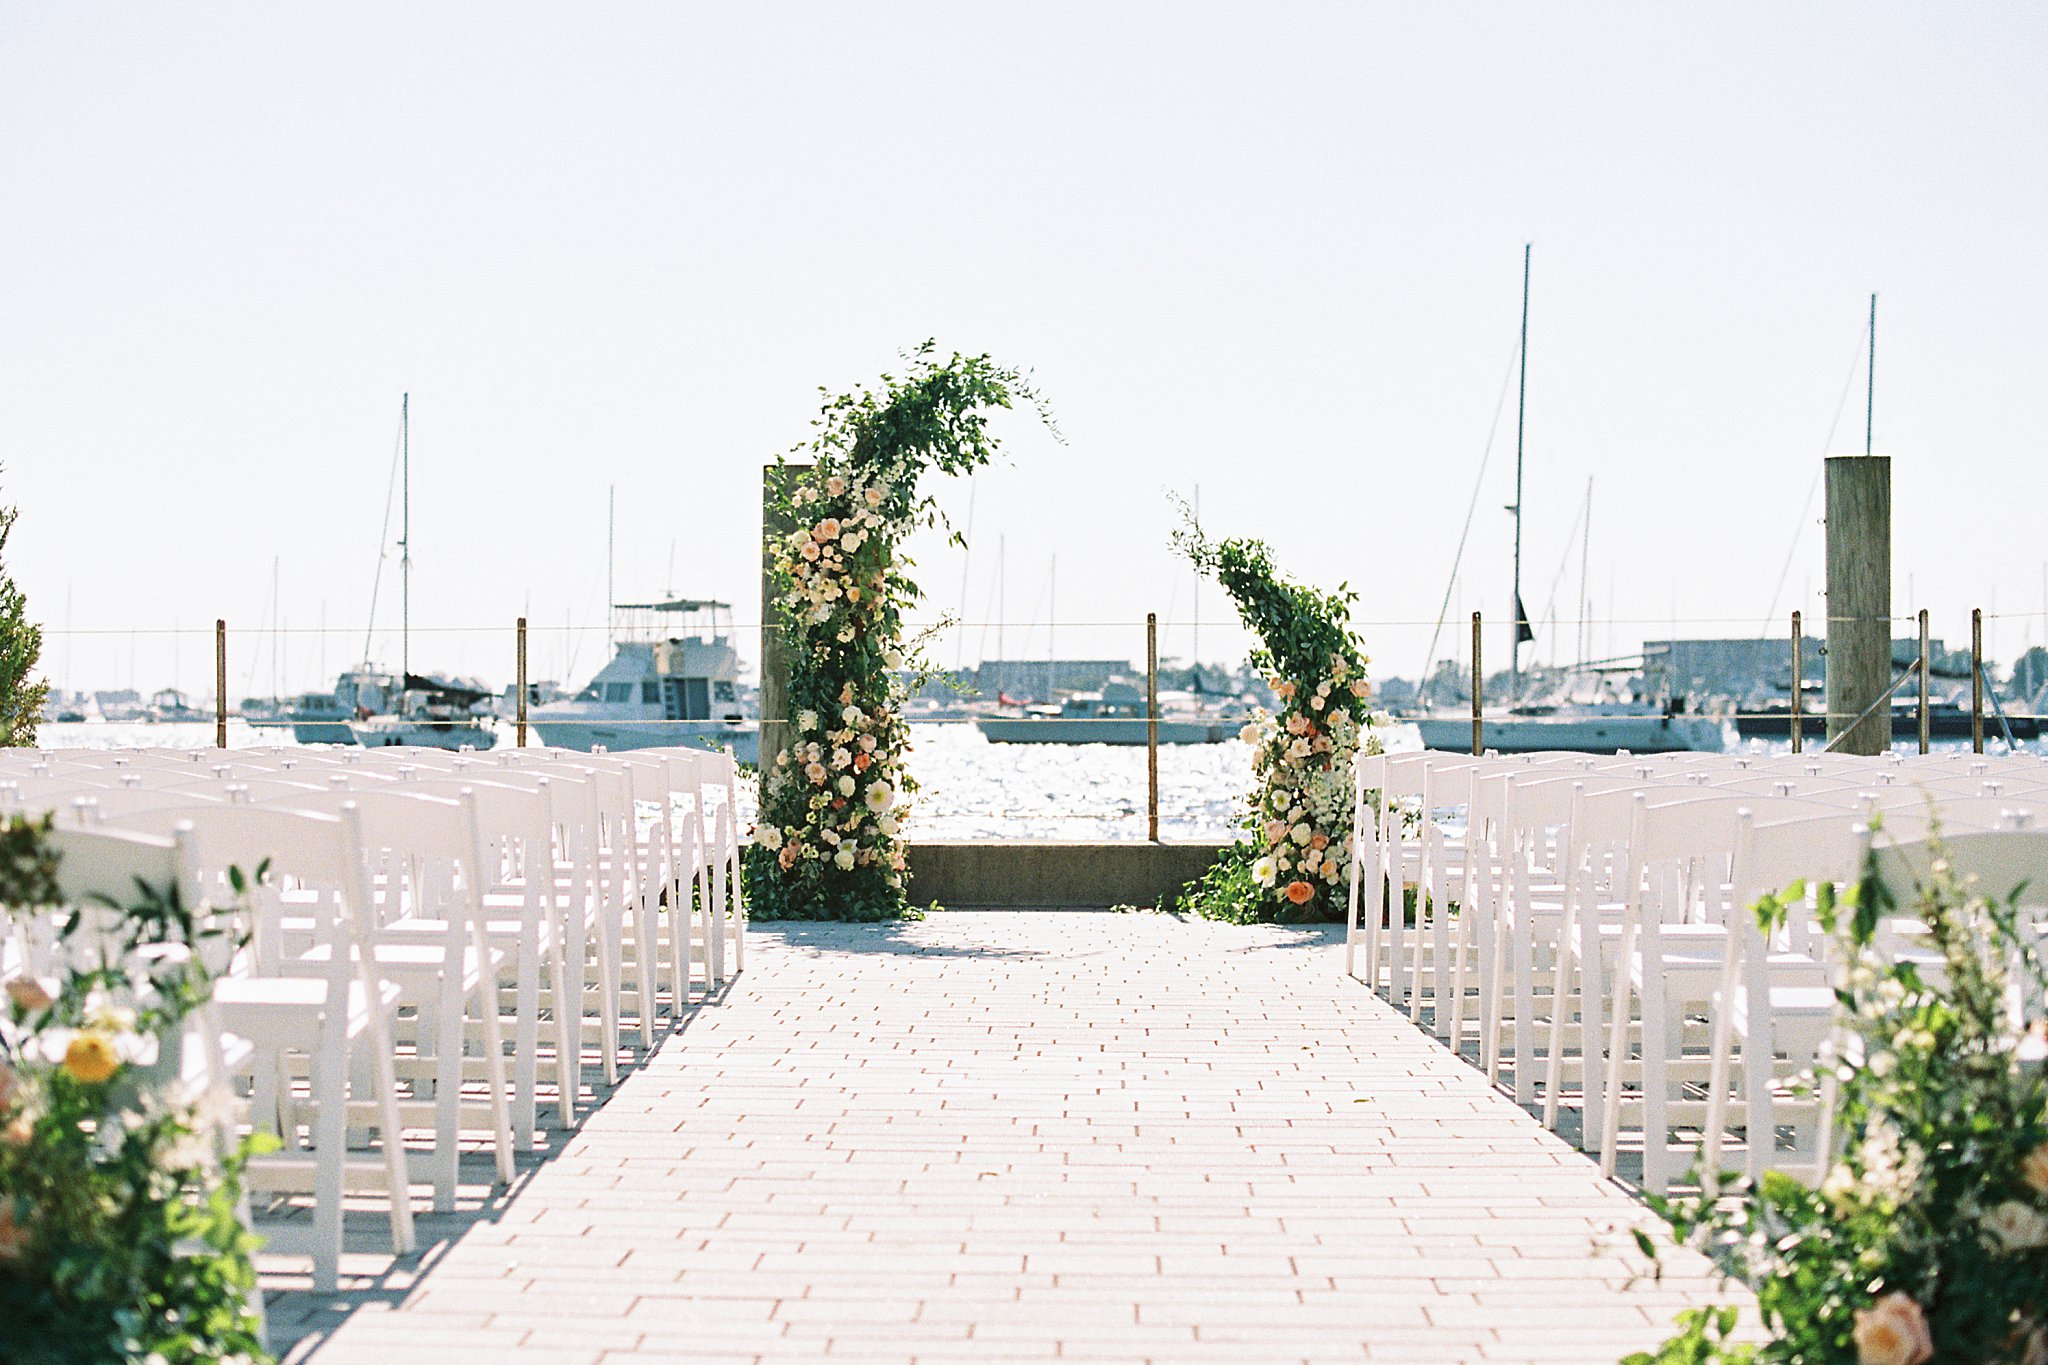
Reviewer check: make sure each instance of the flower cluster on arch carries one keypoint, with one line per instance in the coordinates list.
(829, 840)
(1302, 757)
(1300, 835)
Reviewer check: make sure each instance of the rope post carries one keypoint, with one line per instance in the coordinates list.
(1976, 680)
(220, 684)
(1926, 729)
(1152, 726)
(1798, 682)
(1478, 686)
(522, 682)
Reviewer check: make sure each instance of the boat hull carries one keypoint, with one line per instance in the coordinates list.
(1576, 734)
(451, 735)
(1941, 724)
(1116, 730)
(742, 738)
(322, 732)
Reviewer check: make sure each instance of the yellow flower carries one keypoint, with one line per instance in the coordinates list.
(90, 1058)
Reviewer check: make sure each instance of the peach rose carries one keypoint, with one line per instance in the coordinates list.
(1301, 893)
(13, 1236)
(834, 486)
(862, 761)
(787, 857)
(828, 529)
(1892, 1331)
(2034, 1169)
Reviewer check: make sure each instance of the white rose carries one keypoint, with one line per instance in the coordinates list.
(1250, 733)
(846, 786)
(843, 860)
(852, 715)
(893, 658)
(888, 826)
(2016, 1226)
(768, 837)
(807, 720)
(1301, 833)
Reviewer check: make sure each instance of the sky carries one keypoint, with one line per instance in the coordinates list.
(1271, 252)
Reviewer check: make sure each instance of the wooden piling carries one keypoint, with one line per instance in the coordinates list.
(220, 684)
(1977, 680)
(1152, 726)
(1478, 686)
(522, 683)
(776, 480)
(1859, 635)
(1798, 682)
(1926, 726)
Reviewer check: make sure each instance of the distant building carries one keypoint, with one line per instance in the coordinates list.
(1739, 668)
(1039, 678)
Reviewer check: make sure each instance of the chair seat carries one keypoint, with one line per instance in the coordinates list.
(260, 1007)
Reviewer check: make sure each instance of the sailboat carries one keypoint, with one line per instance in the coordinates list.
(431, 712)
(1604, 726)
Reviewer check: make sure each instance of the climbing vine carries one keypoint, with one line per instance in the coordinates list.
(829, 841)
(1291, 862)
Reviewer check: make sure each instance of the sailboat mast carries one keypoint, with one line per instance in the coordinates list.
(1052, 615)
(1521, 416)
(405, 541)
(1870, 390)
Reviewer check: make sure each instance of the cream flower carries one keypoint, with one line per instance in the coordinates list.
(816, 772)
(1264, 872)
(835, 486)
(843, 860)
(881, 796)
(828, 529)
(1892, 1331)
(2015, 1226)
(874, 497)
(846, 785)
(769, 837)
(807, 720)
(887, 825)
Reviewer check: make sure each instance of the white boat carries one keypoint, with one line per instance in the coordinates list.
(1115, 715)
(359, 694)
(1604, 728)
(673, 680)
(434, 713)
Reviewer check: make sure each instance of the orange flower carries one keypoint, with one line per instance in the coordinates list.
(13, 1236)
(90, 1058)
(1300, 892)
(1320, 842)
(863, 761)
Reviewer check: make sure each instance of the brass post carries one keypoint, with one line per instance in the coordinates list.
(1798, 681)
(1977, 680)
(1152, 726)
(522, 682)
(1926, 732)
(1478, 685)
(220, 684)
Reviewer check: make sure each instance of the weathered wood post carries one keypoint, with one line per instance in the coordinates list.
(1798, 682)
(1478, 685)
(220, 684)
(1859, 666)
(1152, 726)
(1977, 680)
(776, 480)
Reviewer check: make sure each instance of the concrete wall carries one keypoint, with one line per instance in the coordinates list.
(1035, 874)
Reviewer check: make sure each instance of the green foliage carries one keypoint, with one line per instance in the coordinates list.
(829, 842)
(1291, 864)
(21, 644)
(119, 1240)
(1933, 1224)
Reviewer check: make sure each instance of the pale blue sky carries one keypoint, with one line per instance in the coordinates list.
(1272, 250)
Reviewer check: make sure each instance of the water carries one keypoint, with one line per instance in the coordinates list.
(971, 789)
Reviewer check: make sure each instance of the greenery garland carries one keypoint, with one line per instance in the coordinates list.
(1927, 1239)
(1291, 863)
(119, 1240)
(829, 842)
(21, 643)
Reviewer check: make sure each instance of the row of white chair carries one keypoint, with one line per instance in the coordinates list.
(1583, 924)
(424, 910)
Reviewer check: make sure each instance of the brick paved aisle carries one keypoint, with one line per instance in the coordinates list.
(1020, 1136)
